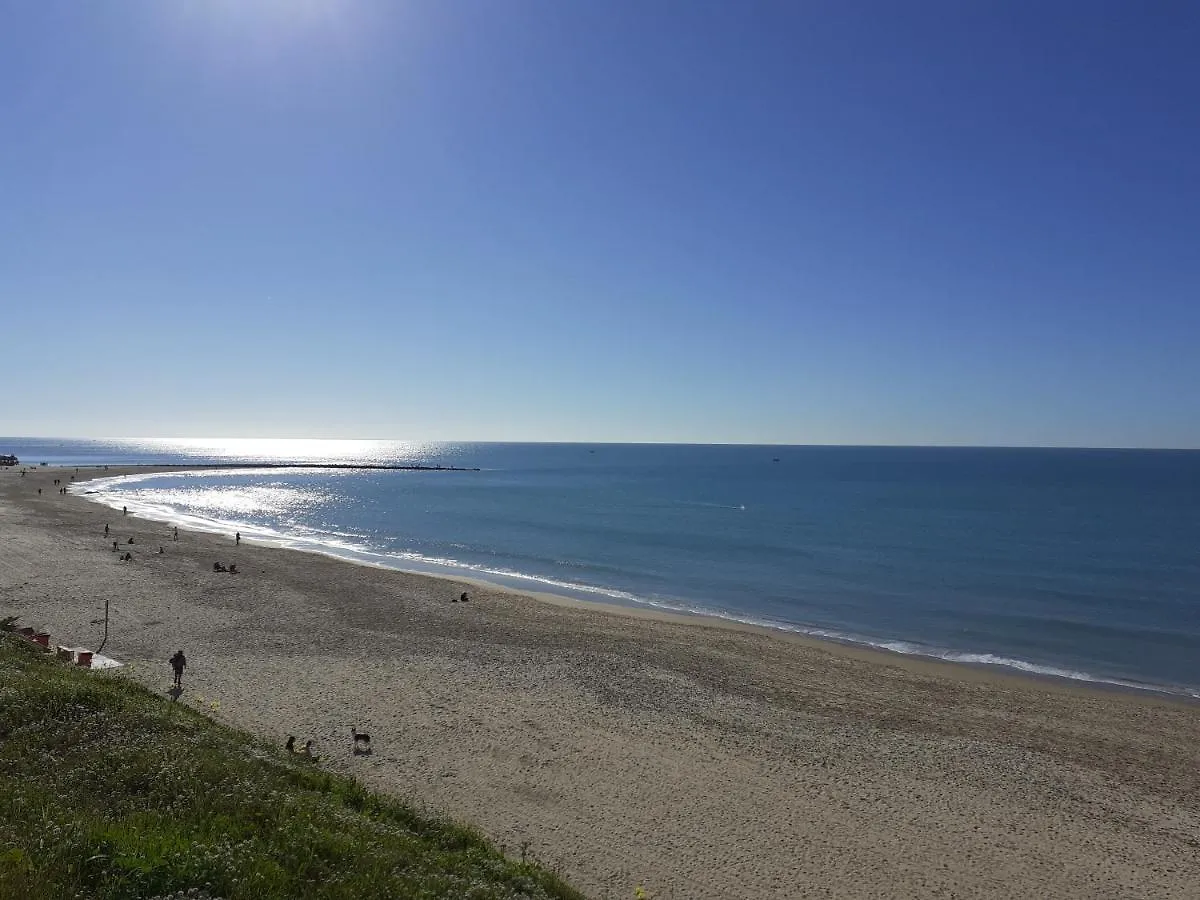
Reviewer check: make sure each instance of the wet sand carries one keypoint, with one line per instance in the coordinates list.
(699, 759)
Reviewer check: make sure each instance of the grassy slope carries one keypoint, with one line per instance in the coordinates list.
(108, 791)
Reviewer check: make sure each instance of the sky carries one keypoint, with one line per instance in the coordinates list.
(602, 220)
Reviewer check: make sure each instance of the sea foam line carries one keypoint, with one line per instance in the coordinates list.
(101, 490)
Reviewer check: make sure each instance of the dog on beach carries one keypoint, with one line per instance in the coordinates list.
(306, 750)
(362, 742)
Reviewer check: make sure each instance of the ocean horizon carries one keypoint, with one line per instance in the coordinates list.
(1073, 563)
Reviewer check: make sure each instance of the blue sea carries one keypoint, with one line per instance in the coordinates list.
(1080, 564)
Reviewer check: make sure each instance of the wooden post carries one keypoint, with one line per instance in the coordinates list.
(105, 641)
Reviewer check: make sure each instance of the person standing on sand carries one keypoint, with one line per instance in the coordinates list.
(178, 663)
(237, 538)
(175, 537)
(106, 531)
(124, 510)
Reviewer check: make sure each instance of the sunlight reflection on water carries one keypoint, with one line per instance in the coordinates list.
(266, 500)
(299, 449)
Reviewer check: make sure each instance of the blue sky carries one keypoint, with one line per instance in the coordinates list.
(973, 223)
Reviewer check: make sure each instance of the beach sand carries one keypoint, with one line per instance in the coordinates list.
(698, 759)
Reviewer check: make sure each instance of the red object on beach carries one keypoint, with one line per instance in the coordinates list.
(83, 658)
(42, 638)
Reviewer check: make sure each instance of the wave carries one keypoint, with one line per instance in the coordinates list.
(1022, 665)
(350, 546)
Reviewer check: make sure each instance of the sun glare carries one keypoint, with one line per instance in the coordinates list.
(300, 449)
(276, 13)
(262, 26)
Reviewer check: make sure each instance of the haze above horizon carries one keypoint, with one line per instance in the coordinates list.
(696, 222)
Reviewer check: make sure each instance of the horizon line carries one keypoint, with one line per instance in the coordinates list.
(830, 445)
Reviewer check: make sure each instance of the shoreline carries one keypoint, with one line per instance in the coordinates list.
(1010, 666)
(624, 747)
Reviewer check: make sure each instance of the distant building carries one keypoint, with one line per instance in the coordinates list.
(8, 460)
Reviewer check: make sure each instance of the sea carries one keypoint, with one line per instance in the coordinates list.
(1066, 563)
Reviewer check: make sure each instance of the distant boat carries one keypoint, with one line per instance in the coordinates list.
(776, 459)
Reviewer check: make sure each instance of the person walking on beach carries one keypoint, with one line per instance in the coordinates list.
(175, 537)
(237, 538)
(124, 510)
(178, 663)
(106, 531)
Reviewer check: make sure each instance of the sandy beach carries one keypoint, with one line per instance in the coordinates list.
(622, 748)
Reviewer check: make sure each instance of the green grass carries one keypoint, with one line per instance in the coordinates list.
(108, 791)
